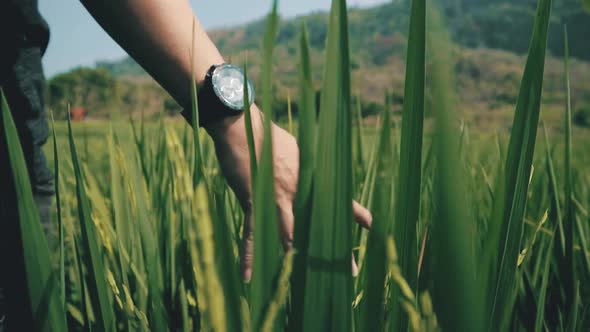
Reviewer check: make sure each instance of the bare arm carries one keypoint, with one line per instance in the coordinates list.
(158, 34)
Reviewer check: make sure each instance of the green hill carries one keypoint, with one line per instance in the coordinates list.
(379, 32)
(490, 37)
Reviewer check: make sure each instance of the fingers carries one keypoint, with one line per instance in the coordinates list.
(247, 252)
(286, 222)
(362, 216)
(355, 268)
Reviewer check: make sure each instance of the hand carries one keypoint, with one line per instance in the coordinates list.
(231, 147)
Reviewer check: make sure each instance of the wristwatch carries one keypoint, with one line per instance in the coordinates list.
(222, 93)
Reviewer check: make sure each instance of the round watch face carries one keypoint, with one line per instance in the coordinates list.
(228, 84)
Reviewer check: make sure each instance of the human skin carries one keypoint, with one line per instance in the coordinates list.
(158, 34)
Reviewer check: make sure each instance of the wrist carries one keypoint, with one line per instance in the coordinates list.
(232, 128)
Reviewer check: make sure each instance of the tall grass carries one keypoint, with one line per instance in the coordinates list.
(44, 299)
(407, 207)
(266, 242)
(465, 237)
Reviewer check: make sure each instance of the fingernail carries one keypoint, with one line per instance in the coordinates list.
(247, 275)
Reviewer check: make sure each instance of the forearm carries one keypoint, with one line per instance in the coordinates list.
(158, 34)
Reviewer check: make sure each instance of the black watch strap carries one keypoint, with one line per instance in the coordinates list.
(210, 108)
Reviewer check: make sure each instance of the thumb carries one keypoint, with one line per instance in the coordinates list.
(247, 252)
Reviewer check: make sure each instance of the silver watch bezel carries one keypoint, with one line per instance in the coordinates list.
(216, 89)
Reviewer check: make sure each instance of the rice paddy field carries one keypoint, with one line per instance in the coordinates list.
(471, 231)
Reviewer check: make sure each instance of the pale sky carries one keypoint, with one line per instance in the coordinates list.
(77, 40)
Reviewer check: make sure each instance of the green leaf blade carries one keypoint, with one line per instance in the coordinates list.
(518, 169)
(303, 199)
(457, 294)
(267, 262)
(97, 285)
(328, 291)
(372, 308)
(43, 290)
(407, 207)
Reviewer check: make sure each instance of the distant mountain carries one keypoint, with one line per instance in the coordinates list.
(379, 33)
(491, 37)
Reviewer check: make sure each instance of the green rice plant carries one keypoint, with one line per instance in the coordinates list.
(366, 199)
(60, 225)
(303, 199)
(208, 281)
(84, 320)
(568, 269)
(328, 284)
(374, 266)
(555, 206)
(457, 292)
(249, 132)
(198, 171)
(44, 296)
(155, 312)
(358, 140)
(275, 307)
(290, 115)
(407, 206)
(226, 259)
(511, 196)
(96, 278)
(266, 243)
(541, 300)
(420, 314)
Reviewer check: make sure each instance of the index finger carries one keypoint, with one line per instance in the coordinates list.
(362, 216)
